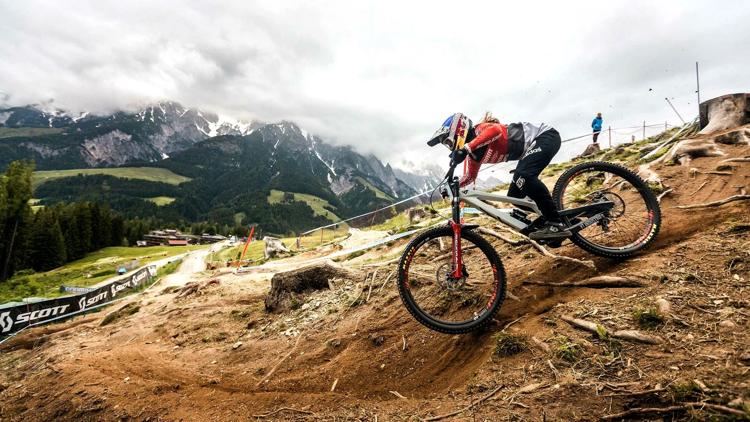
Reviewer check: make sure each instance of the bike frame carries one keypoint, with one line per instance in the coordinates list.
(477, 199)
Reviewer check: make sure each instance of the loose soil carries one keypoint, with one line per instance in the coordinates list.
(216, 354)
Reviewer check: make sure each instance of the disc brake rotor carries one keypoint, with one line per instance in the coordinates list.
(618, 209)
(445, 278)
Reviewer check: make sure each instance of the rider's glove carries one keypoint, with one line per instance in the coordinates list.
(459, 155)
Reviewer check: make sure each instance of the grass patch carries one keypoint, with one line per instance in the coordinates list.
(683, 392)
(161, 200)
(169, 268)
(354, 255)
(127, 310)
(393, 224)
(94, 268)
(509, 344)
(25, 132)
(566, 349)
(151, 174)
(378, 193)
(255, 250)
(612, 345)
(318, 205)
(648, 318)
(656, 188)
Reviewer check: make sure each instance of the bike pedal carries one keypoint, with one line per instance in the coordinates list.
(554, 244)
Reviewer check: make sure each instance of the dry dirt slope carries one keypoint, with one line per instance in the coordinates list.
(215, 354)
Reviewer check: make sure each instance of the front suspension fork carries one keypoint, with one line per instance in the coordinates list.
(457, 261)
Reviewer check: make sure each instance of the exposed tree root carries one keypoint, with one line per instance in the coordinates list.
(669, 409)
(628, 335)
(545, 252)
(649, 175)
(699, 188)
(195, 287)
(589, 326)
(737, 160)
(273, 370)
(715, 203)
(501, 237)
(663, 194)
(714, 172)
(636, 336)
(541, 344)
(604, 281)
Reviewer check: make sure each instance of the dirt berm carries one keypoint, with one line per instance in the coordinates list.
(348, 350)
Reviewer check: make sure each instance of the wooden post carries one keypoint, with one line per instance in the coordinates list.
(644, 130)
(609, 129)
(321, 236)
(665, 126)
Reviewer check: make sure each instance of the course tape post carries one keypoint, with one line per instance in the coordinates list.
(16, 318)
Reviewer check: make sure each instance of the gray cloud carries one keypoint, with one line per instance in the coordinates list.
(378, 75)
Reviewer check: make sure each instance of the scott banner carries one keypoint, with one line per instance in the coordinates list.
(16, 318)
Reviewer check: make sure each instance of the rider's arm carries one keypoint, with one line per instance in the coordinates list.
(472, 169)
(485, 137)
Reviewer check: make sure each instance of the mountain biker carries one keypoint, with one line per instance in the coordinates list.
(493, 142)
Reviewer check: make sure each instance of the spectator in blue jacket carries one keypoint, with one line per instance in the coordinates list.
(596, 124)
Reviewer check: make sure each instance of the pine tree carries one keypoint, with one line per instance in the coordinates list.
(46, 246)
(83, 228)
(16, 215)
(117, 234)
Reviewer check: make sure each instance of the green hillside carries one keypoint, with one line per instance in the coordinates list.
(319, 206)
(378, 193)
(152, 174)
(161, 200)
(95, 267)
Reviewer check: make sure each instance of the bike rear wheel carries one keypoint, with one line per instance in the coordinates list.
(630, 226)
(435, 298)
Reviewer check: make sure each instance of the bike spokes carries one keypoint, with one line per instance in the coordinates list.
(628, 217)
(441, 295)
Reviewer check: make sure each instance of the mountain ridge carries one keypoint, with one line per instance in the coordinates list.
(231, 164)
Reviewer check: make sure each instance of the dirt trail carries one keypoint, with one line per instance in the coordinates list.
(217, 355)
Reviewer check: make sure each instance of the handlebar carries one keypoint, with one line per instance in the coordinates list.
(451, 169)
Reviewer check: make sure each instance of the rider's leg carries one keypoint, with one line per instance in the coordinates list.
(526, 176)
(526, 182)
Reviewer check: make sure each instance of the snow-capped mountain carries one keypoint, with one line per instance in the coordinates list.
(422, 177)
(344, 167)
(156, 132)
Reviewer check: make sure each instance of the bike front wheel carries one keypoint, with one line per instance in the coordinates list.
(437, 299)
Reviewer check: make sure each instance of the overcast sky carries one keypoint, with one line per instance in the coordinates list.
(379, 75)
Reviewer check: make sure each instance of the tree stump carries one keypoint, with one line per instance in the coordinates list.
(725, 112)
(288, 288)
(591, 150)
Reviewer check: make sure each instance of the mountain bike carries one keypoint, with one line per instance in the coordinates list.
(452, 280)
